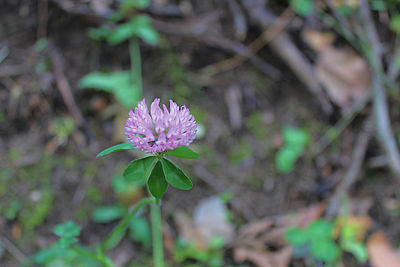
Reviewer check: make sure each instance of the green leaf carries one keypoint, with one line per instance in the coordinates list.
(302, 7)
(118, 83)
(65, 242)
(137, 169)
(358, 250)
(294, 136)
(68, 229)
(183, 152)
(125, 146)
(296, 236)
(148, 34)
(285, 159)
(320, 229)
(324, 250)
(140, 231)
(175, 176)
(395, 23)
(106, 214)
(156, 183)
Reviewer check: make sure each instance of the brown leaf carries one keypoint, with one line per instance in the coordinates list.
(344, 74)
(381, 252)
(264, 258)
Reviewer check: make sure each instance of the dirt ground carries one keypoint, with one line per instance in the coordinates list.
(55, 178)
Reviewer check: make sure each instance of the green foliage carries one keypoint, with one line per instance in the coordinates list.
(175, 176)
(119, 83)
(139, 231)
(240, 153)
(12, 211)
(378, 5)
(212, 257)
(125, 146)
(156, 182)
(38, 211)
(138, 169)
(318, 236)
(67, 229)
(62, 128)
(183, 152)
(350, 243)
(395, 23)
(295, 140)
(106, 214)
(302, 7)
(62, 257)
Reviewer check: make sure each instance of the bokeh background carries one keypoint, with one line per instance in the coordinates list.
(297, 104)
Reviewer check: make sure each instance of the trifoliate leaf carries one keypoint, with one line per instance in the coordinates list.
(183, 152)
(324, 250)
(125, 146)
(296, 236)
(175, 176)
(137, 169)
(157, 183)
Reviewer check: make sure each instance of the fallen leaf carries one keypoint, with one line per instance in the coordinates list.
(263, 258)
(255, 238)
(343, 72)
(381, 253)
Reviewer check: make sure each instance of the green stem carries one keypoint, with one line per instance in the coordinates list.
(121, 226)
(136, 64)
(156, 227)
(88, 254)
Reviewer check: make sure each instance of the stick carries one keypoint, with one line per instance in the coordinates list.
(381, 110)
(354, 170)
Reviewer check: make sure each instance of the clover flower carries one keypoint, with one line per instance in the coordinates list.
(161, 130)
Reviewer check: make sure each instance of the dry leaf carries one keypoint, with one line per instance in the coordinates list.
(343, 72)
(380, 251)
(255, 238)
(264, 258)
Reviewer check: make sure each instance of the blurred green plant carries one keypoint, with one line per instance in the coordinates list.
(318, 240)
(125, 24)
(211, 257)
(295, 141)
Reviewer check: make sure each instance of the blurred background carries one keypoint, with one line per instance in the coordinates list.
(298, 110)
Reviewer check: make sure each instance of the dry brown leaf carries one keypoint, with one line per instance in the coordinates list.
(343, 72)
(263, 258)
(254, 238)
(381, 253)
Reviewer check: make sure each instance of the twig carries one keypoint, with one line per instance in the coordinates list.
(354, 170)
(218, 186)
(65, 90)
(381, 110)
(198, 29)
(12, 249)
(288, 51)
(338, 128)
(42, 19)
(269, 34)
(239, 19)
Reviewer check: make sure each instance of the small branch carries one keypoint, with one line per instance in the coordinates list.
(12, 249)
(354, 170)
(66, 93)
(381, 109)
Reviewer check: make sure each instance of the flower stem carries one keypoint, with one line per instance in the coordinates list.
(121, 226)
(158, 251)
(100, 258)
(136, 64)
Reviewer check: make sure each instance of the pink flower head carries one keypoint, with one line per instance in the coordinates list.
(162, 130)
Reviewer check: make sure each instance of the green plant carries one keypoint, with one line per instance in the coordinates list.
(318, 240)
(125, 24)
(295, 141)
(211, 257)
